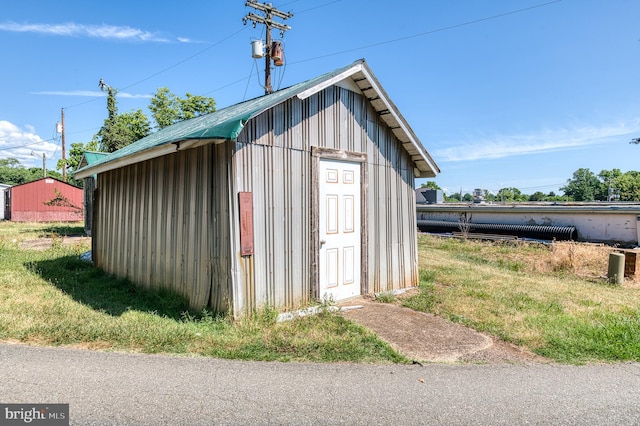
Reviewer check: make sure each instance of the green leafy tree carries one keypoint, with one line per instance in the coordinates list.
(584, 186)
(627, 186)
(453, 198)
(430, 184)
(120, 130)
(167, 108)
(194, 106)
(511, 195)
(10, 162)
(73, 159)
(164, 107)
(608, 190)
(14, 173)
(537, 196)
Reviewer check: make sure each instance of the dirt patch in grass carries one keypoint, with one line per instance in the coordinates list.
(45, 243)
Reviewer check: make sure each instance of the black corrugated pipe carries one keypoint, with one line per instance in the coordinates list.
(542, 232)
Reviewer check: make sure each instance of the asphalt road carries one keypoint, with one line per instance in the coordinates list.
(115, 388)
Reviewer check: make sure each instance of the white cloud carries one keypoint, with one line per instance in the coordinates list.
(106, 32)
(92, 94)
(20, 143)
(546, 141)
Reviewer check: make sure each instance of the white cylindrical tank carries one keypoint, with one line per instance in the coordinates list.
(257, 49)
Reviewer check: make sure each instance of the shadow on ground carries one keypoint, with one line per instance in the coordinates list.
(91, 286)
(58, 229)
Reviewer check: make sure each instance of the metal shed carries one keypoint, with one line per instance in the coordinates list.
(3, 188)
(306, 193)
(43, 200)
(89, 185)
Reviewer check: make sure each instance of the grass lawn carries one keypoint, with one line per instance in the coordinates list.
(553, 300)
(51, 297)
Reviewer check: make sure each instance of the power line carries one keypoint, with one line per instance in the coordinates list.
(447, 28)
(26, 144)
(164, 69)
(274, 52)
(450, 27)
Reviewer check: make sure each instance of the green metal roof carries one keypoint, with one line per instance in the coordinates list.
(224, 124)
(91, 157)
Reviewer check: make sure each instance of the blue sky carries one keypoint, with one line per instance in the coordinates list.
(502, 93)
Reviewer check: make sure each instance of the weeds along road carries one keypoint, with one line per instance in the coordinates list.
(114, 388)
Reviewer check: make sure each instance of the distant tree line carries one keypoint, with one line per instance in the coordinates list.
(14, 173)
(584, 185)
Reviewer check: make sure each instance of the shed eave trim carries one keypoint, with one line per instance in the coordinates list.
(400, 125)
(329, 82)
(125, 161)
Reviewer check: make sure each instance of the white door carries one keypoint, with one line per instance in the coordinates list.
(339, 230)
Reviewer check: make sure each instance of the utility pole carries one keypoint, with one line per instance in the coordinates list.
(44, 162)
(64, 155)
(267, 20)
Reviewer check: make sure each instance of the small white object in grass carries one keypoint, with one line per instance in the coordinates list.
(313, 310)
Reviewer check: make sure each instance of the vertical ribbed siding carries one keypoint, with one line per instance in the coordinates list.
(273, 161)
(278, 273)
(156, 227)
(88, 188)
(173, 221)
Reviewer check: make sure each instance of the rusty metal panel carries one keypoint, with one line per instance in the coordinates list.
(245, 201)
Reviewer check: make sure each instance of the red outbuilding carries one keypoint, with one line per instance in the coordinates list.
(44, 200)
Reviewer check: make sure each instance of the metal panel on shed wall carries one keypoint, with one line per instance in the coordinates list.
(277, 274)
(156, 219)
(273, 161)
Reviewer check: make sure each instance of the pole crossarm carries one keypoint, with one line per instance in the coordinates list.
(267, 20)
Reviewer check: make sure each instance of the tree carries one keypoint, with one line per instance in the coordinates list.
(453, 198)
(120, 130)
(163, 108)
(194, 106)
(584, 186)
(537, 196)
(430, 184)
(608, 190)
(73, 160)
(627, 186)
(167, 109)
(10, 162)
(510, 195)
(14, 173)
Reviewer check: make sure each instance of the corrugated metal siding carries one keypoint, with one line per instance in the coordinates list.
(89, 187)
(173, 221)
(273, 161)
(278, 273)
(164, 223)
(32, 202)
